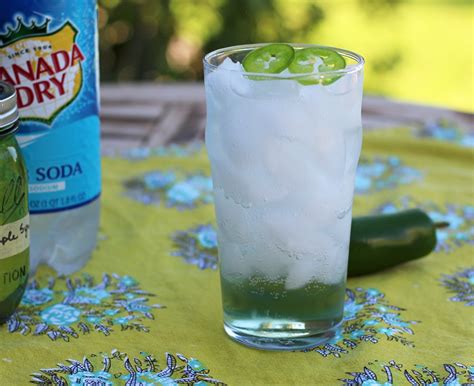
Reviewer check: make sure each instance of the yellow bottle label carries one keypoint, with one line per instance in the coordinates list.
(46, 70)
(14, 237)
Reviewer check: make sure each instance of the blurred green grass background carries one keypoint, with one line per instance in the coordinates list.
(416, 50)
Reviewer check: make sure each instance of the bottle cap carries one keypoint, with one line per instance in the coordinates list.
(8, 108)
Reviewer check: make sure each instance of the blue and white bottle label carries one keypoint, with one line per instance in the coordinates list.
(50, 55)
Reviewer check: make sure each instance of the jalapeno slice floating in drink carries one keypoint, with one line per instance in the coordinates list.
(269, 59)
(304, 62)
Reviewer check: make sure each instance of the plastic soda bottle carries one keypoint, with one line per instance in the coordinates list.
(48, 51)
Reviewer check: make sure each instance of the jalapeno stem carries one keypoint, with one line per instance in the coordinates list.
(441, 224)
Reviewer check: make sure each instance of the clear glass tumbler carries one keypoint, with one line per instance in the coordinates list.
(284, 150)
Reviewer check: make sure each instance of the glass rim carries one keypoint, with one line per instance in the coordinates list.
(347, 70)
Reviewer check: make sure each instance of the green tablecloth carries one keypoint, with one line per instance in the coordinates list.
(146, 309)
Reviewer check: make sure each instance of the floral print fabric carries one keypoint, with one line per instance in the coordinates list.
(151, 289)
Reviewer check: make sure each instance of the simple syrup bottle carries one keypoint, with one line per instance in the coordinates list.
(14, 216)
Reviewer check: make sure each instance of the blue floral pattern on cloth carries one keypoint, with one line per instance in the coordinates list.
(386, 374)
(118, 368)
(170, 189)
(143, 153)
(460, 218)
(197, 246)
(382, 173)
(368, 318)
(67, 308)
(60, 315)
(445, 131)
(462, 285)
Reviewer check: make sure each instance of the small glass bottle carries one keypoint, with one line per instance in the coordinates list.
(14, 215)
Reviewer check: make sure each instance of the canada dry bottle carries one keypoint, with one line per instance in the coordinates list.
(14, 218)
(48, 51)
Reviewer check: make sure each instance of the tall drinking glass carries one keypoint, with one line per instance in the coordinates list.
(284, 150)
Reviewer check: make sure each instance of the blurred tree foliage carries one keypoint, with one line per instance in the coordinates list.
(166, 39)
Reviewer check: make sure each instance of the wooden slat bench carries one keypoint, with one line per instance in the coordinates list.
(155, 114)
